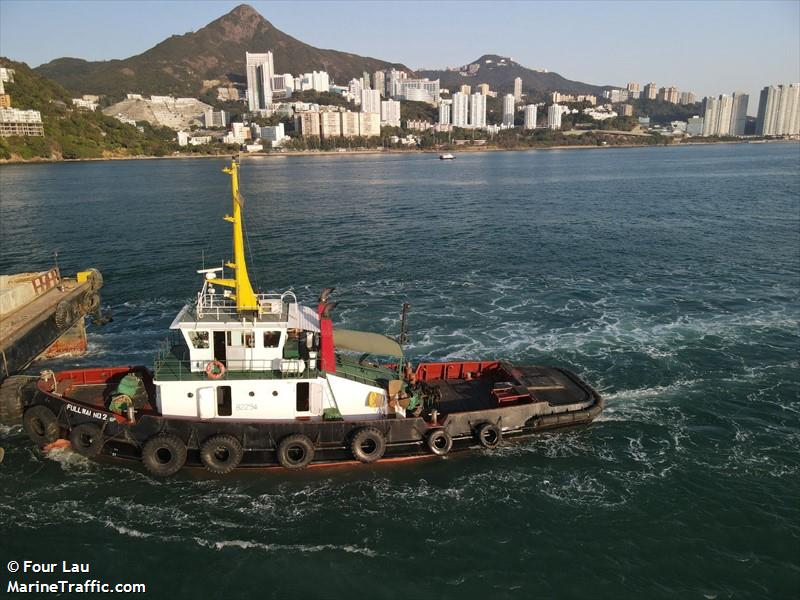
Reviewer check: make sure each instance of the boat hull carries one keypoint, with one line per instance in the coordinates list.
(404, 437)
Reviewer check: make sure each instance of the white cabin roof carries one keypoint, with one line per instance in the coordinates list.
(293, 316)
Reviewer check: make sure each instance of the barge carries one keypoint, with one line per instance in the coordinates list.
(258, 379)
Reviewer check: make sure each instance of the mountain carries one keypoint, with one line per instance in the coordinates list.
(500, 71)
(70, 132)
(181, 63)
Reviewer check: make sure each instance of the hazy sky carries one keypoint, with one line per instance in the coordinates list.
(708, 47)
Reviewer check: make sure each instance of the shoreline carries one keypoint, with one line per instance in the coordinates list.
(373, 151)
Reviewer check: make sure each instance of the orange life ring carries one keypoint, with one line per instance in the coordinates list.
(215, 370)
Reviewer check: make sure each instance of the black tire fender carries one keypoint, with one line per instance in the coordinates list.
(164, 454)
(295, 451)
(87, 439)
(368, 445)
(41, 425)
(15, 391)
(439, 442)
(65, 314)
(221, 454)
(90, 302)
(488, 435)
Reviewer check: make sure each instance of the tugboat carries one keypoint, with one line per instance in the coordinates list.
(259, 380)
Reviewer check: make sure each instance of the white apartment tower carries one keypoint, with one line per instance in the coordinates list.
(379, 82)
(530, 116)
(477, 110)
(554, 116)
(518, 89)
(779, 110)
(724, 115)
(370, 101)
(710, 116)
(508, 110)
(390, 113)
(444, 112)
(260, 71)
(460, 113)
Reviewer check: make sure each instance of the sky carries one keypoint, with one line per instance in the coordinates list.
(709, 47)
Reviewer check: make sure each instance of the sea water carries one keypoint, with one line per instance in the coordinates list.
(668, 278)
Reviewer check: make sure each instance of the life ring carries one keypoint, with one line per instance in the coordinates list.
(164, 454)
(221, 454)
(368, 445)
(41, 425)
(295, 451)
(86, 439)
(439, 442)
(215, 370)
(489, 435)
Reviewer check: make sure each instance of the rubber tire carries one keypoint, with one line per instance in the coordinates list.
(433, 442)
(65, 314)
(90, 302)
(368, 434)
(164, 441)
(12, 398)
(295, 440)
(41, 425)
(208, 454)
(95, 279)
(78, 439)
(493, 431)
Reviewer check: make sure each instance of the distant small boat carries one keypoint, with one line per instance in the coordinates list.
(447, 156)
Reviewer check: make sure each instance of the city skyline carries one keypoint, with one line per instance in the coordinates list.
(707, 56)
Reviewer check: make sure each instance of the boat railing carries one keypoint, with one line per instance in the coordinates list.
(216, 304)
(172, 363)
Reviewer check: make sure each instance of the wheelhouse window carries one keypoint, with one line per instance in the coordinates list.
(199, 339)
(272, 339)
(249, 339)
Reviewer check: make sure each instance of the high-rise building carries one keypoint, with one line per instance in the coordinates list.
(725, 106)
(390, 113)
(687, 98)
(650, 91)
(477, 110)
(554, 116)
(330, 124)
(517, 89)
(350, 124)
(320, 81)
(369, 124)
(354, 87)
(371, 101)
(779, 110)
(215, 118)
(421, 90)
(508, 110)
(465, 89)
(379, 82)
(444, 112)
(460, 113)
(307, 123)
(633, 90)
(739, 113)
(530, 116)
(365, 81)
(710, 116)
(668, 94)
(395, 78)
(259, 80)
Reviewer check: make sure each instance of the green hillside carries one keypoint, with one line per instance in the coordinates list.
(182, 63)
(73, 133)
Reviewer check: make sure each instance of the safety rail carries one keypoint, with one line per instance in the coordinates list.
(219, 304)
(172, 364)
